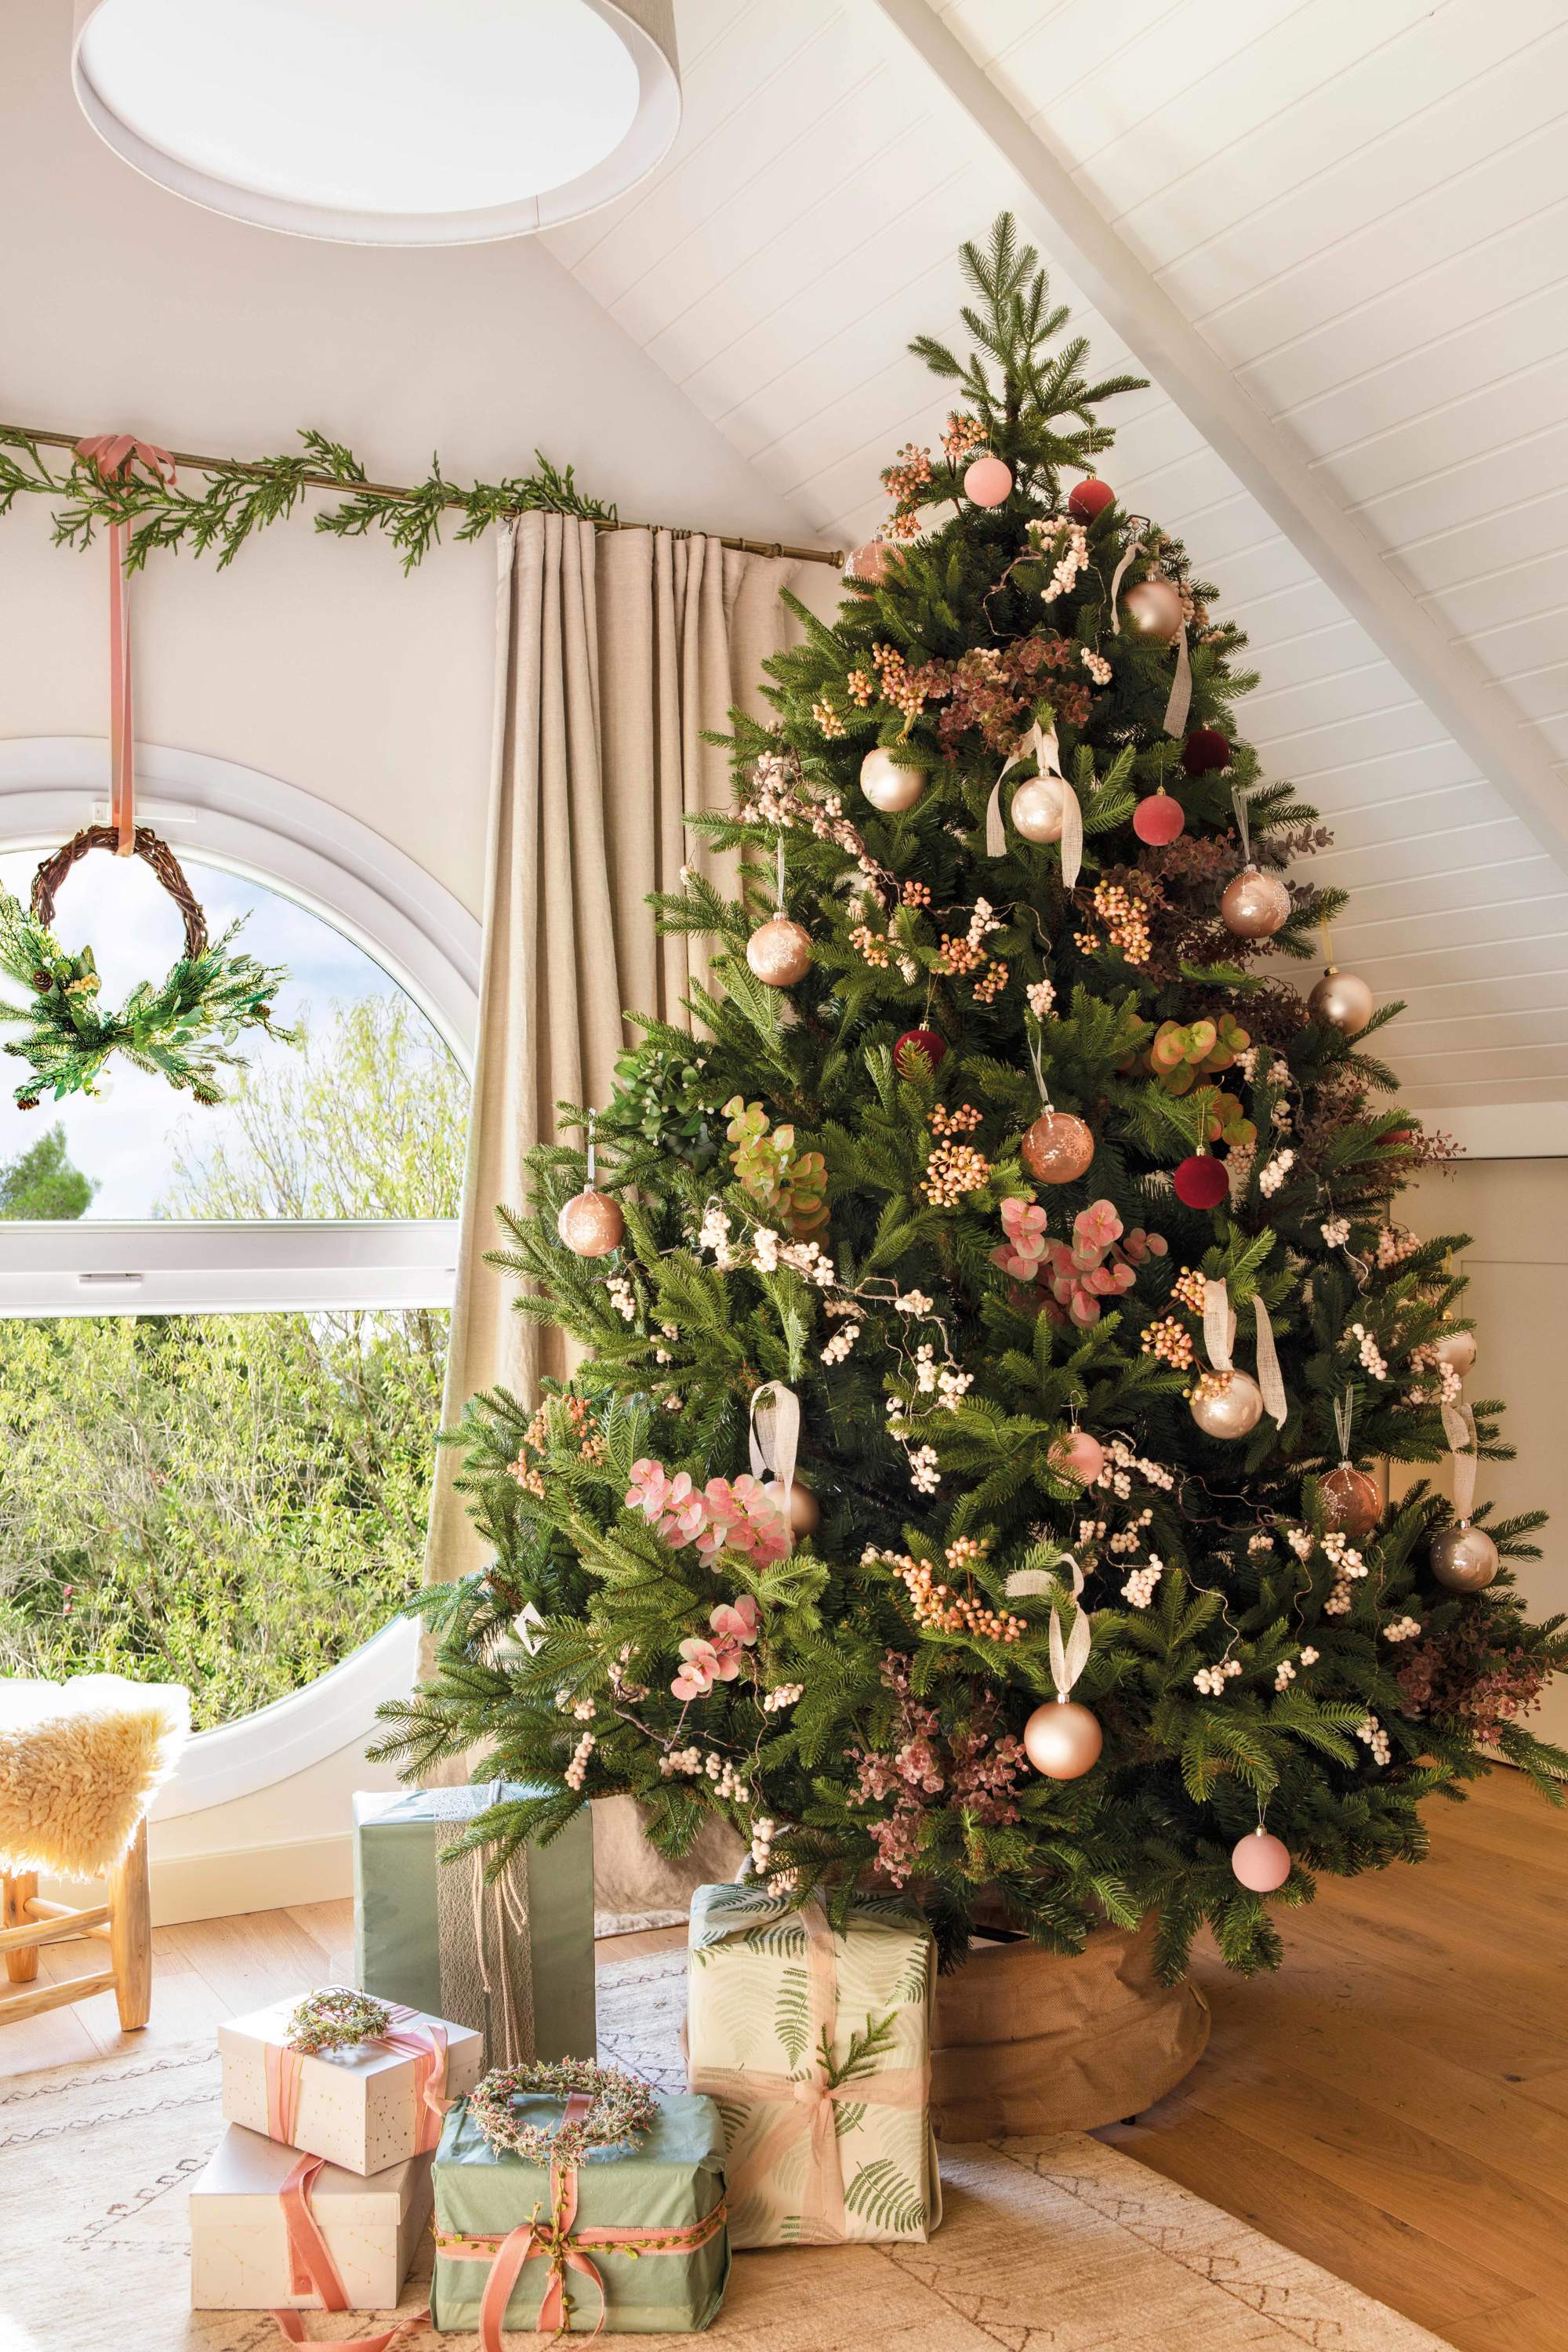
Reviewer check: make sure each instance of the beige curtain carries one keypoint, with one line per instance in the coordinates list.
(614, 652)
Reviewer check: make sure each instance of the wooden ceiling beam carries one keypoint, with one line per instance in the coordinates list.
(1443, 673)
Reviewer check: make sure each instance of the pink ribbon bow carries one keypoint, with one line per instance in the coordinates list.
(114, 455)
(311, 2269)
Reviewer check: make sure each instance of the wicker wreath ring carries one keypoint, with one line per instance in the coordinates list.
(622, 2108)
(182, 1028)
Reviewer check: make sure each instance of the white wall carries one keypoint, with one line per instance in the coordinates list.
(121, 305)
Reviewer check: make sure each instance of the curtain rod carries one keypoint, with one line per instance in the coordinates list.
(196, 465)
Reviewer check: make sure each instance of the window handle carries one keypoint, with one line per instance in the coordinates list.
(97, 1281)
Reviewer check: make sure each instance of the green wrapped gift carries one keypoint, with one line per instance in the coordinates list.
(638, 2233)
(815, 2043)
(512, 1957)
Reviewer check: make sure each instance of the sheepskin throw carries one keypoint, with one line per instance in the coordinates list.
(79, 1763)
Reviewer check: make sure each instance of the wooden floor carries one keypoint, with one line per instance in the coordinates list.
(1393, 2104)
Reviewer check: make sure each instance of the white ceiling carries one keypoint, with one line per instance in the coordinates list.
(1363, 212)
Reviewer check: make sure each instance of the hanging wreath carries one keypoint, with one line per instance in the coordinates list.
(183, 1026)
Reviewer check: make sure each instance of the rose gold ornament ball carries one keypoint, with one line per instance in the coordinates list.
(888, 786)
(1351, 1502)
(1038, 809)
(805, 1511)
(1253, 904)
(591, 1223)
(1260, 1861)
(1062, 1739)
(1155, 607)
(779, 952)
(1080, 1455)
(1343, 1000)
(988, 481)
(1463, 1558)
(1232, 1411)
(1057, 1148)
(868, 562)
(1457, 1350)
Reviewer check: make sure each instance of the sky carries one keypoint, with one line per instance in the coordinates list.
(122, 1136)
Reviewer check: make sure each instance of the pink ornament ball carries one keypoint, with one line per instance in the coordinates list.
(1261, 1862)
(1080, 1455)
(987, 482)
(1063, 1739)
(868, 562)
(1090, 498)
(1201, 1181)
(1158, 819)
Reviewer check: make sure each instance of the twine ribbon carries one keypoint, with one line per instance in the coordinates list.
(478, 1918)
(1039, 743)
(1219, 1339)
(808, 2101)
(311, 2269)
(426, 2045)
(558, 2243)
(1459, 1429)
(115, 456)
(773, 1438)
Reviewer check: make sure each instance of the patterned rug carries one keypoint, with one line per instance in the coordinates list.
(1050, 2245)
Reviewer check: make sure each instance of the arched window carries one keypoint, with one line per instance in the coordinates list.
(222, 1332)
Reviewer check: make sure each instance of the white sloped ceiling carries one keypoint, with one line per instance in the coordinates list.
(1363, 212)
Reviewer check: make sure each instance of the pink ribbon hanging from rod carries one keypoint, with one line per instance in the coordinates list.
(114, 455)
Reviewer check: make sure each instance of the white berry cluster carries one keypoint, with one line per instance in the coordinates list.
(1348, 1567)
(1122, 1466)
(714, 1237)
(837, 1350)
(1040, 996)
(1336, 1232)
(1073, 558)
(1372, 1357)
(808, 1259)
(1373, 1736)
(1097, 666)
(913, 1302)
(762, 1834)
(621, 1297)
(1130, 1538)
(580, 1710)
(662, 1355)
(1258, 1545)
(1139, 1588)
(691, 1764)
(577, 1769)
(924, 1475)
(783, 1695)
(1404, 1629)
(1273, 1174)
(1211, 1680)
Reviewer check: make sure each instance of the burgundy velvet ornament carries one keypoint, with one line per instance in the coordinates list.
(1158, 819)
(1205, 751)
(1088, 498)
(1201, 1181)
(911, 1046)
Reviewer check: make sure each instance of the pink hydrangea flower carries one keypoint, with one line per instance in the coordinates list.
(736, 1621)
(1024, 1223)
(1096, 1227)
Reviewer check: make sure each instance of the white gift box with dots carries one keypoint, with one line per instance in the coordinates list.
(359, 2108)
(240, 2245)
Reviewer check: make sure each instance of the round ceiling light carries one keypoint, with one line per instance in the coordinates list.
(385, 121)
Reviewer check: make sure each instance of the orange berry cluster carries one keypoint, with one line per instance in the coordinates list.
(827, 719)
(1188, 1290)
(942, 1610)
(961, 1121)
(862, 687)
(990, 987)
(1172, 1342)
(960, 435)
(956, 956)
(1126, 919)
(869, 947)
(915, 894)
(590, 1445)
(953, 1170)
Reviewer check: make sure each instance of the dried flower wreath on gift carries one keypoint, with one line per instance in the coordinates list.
(622, 2109)
(183, 1026)
(336, 2018)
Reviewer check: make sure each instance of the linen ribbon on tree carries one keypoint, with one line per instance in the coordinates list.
(425, 2044)
(1068, 1658)
(558, 2242)
(773, 1440)
(1219, 1338)
(312, 2270)
(114, 455)
(1459, 1429)
(1039, 743)
(809, 2100)
(1179, 701)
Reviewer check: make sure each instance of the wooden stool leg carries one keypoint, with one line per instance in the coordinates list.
(131, 1935)
(21, 1966)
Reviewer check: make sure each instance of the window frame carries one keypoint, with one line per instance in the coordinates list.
(339, 870)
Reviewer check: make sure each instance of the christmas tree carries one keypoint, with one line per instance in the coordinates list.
(1012, 1219)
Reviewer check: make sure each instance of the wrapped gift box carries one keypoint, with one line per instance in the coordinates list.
(362, 2108)
(668, 2190)
(513, 1958)
(240, 2257)
(816, 2153)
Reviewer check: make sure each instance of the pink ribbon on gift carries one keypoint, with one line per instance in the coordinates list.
(114, 455)
(809, 2100)
(311, 2269)
(425, 2044)
(563, 2247)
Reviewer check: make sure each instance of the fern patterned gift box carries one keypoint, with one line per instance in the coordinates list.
(815, 2044)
